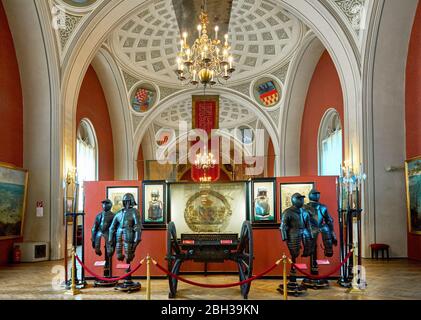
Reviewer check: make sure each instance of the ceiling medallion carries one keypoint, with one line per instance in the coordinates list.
(207, 61)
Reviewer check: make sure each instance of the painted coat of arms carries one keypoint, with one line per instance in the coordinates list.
(142, 100)
(268, 94)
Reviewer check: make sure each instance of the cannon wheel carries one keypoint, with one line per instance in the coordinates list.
(174, 264)
(245, 257)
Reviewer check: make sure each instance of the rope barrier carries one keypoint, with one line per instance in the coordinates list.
(215, 286)
(108, 279)
(313, 277)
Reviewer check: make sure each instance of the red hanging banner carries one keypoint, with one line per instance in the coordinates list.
(205, 116)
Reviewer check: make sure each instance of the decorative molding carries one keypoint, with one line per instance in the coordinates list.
(136, 120)
(242, 88)
(166, 92)
(129, 80)
(282, 72)
(354, 11)
(70, 24)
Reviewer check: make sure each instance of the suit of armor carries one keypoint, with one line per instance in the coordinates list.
(100, 229)
(125, 231)
(296, 228)
(321, 222)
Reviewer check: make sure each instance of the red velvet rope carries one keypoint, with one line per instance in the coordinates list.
(215, 286)
(107, 279)
(311, 276)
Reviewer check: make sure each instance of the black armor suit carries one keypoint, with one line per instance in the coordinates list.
(125, 232)
(296, 230)
(100, 230)
(321, 222)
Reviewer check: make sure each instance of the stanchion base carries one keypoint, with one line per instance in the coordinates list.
(71, 292)
(345, 283)
(293, 288)
(315, 283)
(79, 285)
(104, 284)
(128, 286)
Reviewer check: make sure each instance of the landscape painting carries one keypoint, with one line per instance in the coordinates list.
(13, 189)
(413, 188)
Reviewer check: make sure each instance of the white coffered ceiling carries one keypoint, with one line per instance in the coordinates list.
(262, 35)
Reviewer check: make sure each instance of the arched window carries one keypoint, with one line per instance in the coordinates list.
(86, 156)
(330, 144)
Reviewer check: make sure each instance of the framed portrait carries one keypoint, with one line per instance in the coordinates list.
(413, 194)
(116, 194)
(208, 208)
(154, 204)
(263, 202)
(13, 193)
(288, 190)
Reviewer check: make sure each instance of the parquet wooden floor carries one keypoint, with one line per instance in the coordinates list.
(395, 279)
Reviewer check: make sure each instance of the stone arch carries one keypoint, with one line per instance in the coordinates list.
(264, 118)
(115, 94)
(296, 88)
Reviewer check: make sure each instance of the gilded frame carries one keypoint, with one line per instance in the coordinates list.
(8, 166)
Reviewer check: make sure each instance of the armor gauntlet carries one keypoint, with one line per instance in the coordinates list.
(284, 228)
(328, 240)
(307, 235)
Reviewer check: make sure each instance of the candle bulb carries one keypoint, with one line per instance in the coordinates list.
(185, 37)
(199, 28)
(226, 70)
(216, 32)
(226, 40)
(230, 59)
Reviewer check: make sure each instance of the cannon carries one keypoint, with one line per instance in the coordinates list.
(211, 248)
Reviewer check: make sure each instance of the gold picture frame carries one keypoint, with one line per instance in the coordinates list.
(413, 194)
(13, 186)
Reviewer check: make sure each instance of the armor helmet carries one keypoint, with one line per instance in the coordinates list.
(297, 200)
(129, 199)
(107, 204)
(314, 195)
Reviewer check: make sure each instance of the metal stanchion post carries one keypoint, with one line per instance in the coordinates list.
(73, 289)
(285, 261)
(148, 277)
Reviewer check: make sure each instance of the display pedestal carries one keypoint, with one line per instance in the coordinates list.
(315, 283)
(293, 287)
(128, 285)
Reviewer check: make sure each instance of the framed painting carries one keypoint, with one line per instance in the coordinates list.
(288, 190)
(13, 193)
(154, 204)
(208, 208)
(263, 203)
(413, 194)
(116, 194)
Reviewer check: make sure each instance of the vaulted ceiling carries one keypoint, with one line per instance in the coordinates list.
(262, 36)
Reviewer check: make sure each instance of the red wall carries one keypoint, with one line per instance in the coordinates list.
(413, 113)
(268, 246)
(11, 108)
(93, 106)
(324, 92)
(270, 160)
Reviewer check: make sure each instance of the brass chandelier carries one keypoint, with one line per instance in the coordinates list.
(207, 61)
